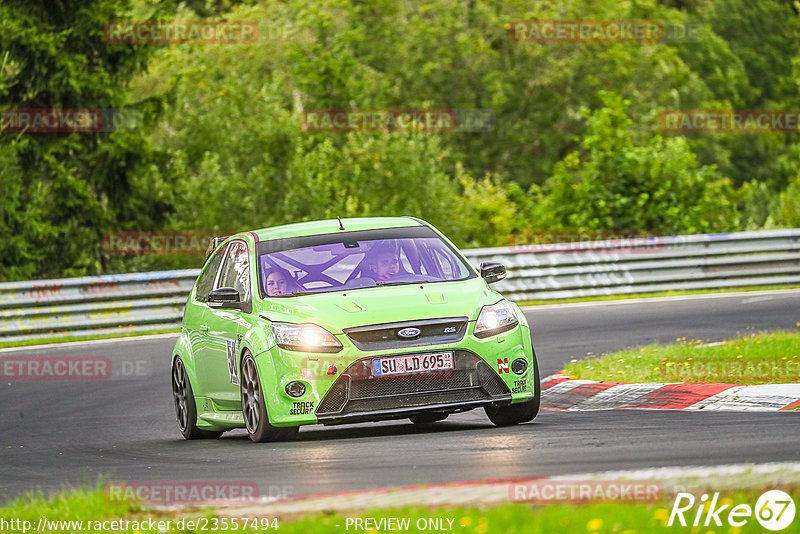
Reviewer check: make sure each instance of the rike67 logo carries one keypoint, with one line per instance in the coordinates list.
(774, 510)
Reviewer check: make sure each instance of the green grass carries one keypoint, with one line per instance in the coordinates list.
(68, 504)
(594, 517)
(67, 339)
(626, 296)
(766, 358)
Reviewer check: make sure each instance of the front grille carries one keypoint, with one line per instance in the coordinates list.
(385, 336)
(357, 390)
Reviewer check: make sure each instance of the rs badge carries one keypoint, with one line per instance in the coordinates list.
(502, 365)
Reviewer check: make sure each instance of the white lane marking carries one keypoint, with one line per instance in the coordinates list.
(740, 294)
(702, 404)
(91, 342)
(566, 386)
(757, 299)
(621, 396)
(757, 398)
(716, 344)
(686, 472)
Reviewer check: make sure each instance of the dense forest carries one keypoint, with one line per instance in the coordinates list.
(210, 138)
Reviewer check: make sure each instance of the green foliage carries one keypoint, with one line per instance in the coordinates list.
(372, 175)
(62, 190)
(219, 145)
(619, 185)
(485, 212)
(756, 202)
(233, 132)
(788, 211)
(766, 358)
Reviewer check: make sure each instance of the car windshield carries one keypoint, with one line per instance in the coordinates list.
(355, 260)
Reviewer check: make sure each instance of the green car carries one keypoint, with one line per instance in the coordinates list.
(347, 321)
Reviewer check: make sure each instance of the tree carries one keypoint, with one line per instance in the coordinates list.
(788, 211)
(63, 190)
(615, 184)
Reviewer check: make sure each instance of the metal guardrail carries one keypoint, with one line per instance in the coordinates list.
(153, 301)
(704, 261)
(93, 304)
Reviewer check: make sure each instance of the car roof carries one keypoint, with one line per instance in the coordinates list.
(331, 226)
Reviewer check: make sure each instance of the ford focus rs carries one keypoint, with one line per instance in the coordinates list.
(347, 321)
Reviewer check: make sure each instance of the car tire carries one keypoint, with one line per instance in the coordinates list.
(254, 409)
(514, 414)
(185, 406)
(427, 418)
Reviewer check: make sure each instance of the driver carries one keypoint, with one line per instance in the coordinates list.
(276, 281)
(385, 262)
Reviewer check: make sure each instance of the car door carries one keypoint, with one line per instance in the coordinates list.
(226, 327)
(195, 322)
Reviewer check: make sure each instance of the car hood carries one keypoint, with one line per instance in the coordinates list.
(345, 309)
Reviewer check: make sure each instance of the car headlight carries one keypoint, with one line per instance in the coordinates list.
(305, 338)
(495, 318)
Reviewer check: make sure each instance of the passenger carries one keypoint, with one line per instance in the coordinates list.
(277, 281)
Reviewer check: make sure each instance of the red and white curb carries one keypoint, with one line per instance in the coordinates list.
(561, 392)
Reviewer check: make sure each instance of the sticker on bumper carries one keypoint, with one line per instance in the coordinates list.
(502, 365)
(302, 408)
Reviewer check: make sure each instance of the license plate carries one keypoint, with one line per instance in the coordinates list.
(415, 363)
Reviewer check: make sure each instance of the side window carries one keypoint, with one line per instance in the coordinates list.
(235, 271)
(206, 281)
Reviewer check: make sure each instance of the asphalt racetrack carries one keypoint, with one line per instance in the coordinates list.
(56, 432)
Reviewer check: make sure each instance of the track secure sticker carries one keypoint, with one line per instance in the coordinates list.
(302, 408)
(233, 369)
(520, 386)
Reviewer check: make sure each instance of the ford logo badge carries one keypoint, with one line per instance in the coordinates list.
(409, 332)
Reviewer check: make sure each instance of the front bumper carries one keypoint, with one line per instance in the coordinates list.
(353, 395)
(358, 395)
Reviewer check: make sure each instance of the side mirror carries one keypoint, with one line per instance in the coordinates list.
(492, 272)
(225, 297)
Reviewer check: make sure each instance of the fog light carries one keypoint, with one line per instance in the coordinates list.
(519, 366)
(295, 389)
